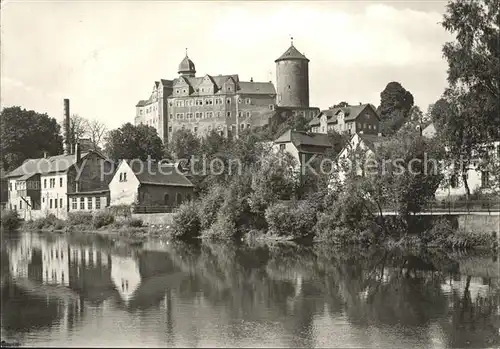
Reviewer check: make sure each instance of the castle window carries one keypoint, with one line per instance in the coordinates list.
(239, 100)
(199, 102)
(248, 125)
(195, 129)
(209, 114)
(247, 101)
(189, 115)
(60, 182)
(178, 91)
(60, 203)
(171, 116)
(198, 114)
(50, 204)
(170, 129)
(209, 101)
(82, 203)
(247, 114)
(242, 126)
(289, 87)
(179, 103)
(218, 101)
(228, 114)
(202, 90)
(229, 88)
(240, 114)
(218, 115)
(170, 103)
(74, 205)
(271, 106)
(55, 203)
(184, 91)
(228, 101)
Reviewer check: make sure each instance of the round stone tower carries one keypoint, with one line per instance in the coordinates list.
(292, 79)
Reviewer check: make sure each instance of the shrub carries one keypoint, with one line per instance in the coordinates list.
(80, 218)
(186, 223)
(294, 221)
(441, 229)
(10, 220)
(135, 222)
(223, 228)
(102, 219)
(210, 205)
(120, 210)
(50, 221)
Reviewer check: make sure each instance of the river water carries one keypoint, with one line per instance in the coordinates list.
(90, 291)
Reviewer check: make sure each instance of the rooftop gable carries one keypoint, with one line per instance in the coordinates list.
(158, 173)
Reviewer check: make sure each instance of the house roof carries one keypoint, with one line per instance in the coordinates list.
(371, 141)
(247, 87)
(244, 87)
(351, 113)
(292, 54)
(58, 163)
(304, 139)
(160, 174)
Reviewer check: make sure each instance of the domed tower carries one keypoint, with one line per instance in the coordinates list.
(186, 67)
(292, 75)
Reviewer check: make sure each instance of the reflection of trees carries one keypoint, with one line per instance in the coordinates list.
(22, 312)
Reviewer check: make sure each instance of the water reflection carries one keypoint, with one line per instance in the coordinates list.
(70, 291)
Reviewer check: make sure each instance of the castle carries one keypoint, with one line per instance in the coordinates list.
(223, 103)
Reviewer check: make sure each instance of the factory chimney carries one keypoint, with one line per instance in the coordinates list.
(67, 145)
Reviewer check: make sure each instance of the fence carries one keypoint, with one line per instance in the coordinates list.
(153, 209)
(462, 206)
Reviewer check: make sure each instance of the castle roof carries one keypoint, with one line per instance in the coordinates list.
(187, 66)
(292, 54)
(243, 87)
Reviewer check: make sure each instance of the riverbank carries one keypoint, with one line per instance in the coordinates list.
(423, 231)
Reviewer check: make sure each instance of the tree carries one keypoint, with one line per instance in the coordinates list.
(78, 128)
(474, 59)
(134, 142)
(468, 114)
(342, 104)
(183, 145)
(27, 134)
(96, 131)
(395, 106)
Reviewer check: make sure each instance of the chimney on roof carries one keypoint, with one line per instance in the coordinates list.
(251, 79)
(78, 152)
(360, 103)
(66, 126)
(45, 154)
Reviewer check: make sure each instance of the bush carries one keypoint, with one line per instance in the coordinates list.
(295, 221)
(10, 220)
(135, 222)
(223, 228)
(80, 218)
(50, 221)
(438, 233)
(120, 210)
(210, 205)
(102, 219)
(186, 223)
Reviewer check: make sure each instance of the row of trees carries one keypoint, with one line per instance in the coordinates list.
(26, 134)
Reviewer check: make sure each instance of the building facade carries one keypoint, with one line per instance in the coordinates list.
(44, 186)
(224, 103)
(351, 119)
(149, 184)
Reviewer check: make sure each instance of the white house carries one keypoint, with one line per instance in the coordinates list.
(43, 186)
(478, 177)
(359, 143)
(351, 119)
(149, 184)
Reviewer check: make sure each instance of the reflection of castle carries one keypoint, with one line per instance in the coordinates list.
(477, 288)
(125, 275)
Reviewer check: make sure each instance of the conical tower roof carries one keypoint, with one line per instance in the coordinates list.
(292, 54)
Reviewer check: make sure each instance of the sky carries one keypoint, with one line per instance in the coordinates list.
(105, 55)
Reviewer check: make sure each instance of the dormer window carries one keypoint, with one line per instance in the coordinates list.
(228, 101)
(178, 91)
(229, 88)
